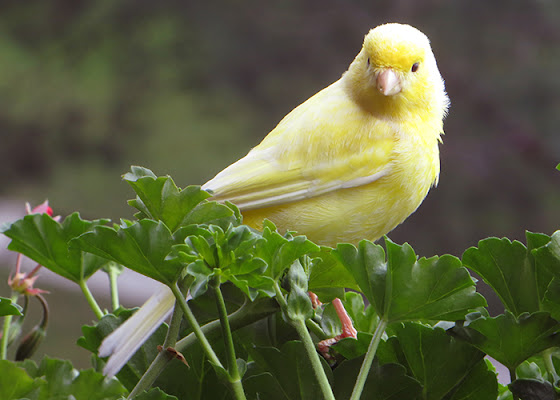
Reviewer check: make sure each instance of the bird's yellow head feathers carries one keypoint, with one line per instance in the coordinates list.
(396, 46)
(396, 73)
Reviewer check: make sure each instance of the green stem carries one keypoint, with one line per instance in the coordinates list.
(249, 313)
(113, 275)
(235, 379)
(280, 297)
(195, 326)
(303, 333)
(226, 332)
(549, 365)
(512, 377)
(6, 331)
(309, 346)
(316, 329)
(368, 360)
(163, 357)
(237, 388)
(90, 299)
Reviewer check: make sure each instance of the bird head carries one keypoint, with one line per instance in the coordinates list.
(396, 71)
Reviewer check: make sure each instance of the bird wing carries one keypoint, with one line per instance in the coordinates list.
(324, 145)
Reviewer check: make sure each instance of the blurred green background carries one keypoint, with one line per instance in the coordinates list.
(88, 88)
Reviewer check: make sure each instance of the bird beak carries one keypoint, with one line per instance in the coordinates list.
(388, 83)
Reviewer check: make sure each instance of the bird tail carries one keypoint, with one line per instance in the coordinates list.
(122, 343)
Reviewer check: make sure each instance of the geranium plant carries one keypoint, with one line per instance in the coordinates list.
(249, 329)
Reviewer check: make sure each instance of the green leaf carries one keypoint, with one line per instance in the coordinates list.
(202, 275)
(529, 370)
(279, 252)
(291, 374)
(509, 339)
(15, 382)
(504, 393)
(7, 307)
(551, 302)
(385, 382)
(63, 381)
(479, 384)
(160, 199)
(142, 247)
(364, 318)
(328, 273)
(518, 278)
(549, 254)
(440, 362)
(329, 322)
(368, 267)
(406, 288)
(351, 348)
(230, 254)
(45, 241)
(140, 361)
(264, 386)
(154, 394)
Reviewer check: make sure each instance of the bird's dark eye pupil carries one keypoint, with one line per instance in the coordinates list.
(368, 62)
(415, 67)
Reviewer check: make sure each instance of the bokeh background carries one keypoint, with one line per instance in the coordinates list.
(88, 88)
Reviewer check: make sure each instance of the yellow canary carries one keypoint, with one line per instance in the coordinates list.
(351, 163)
(357, 158)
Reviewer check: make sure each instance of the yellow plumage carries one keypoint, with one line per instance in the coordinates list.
(357, 158)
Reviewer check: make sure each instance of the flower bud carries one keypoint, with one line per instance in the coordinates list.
(30, 343)
(33, 340)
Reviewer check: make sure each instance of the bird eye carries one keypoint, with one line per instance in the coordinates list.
(368, 62)
(415, 67)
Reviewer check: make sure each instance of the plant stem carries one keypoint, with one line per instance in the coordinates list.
(549, 365)
(316, 329)
(235, 379)
(90, 299)
(303, 333)
(6, 331)
(226, 332)
(195, 326)
(280, 297)
(163, 356)
(512, 377)
(113, 275)
(368, 360)
(309, 346)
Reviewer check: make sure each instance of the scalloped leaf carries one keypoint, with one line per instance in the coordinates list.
(231, 254)
(160, 199)
(63, 381)
(15, 382)
(441, 363)
(510, 339)
(280, 252)
(143, 247)
(44, 240)
(519, 275)
(407, 288)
